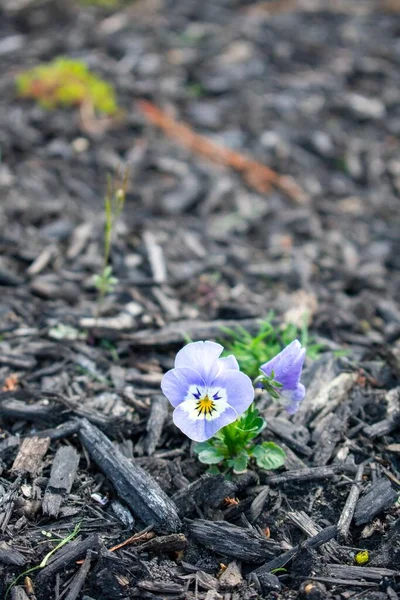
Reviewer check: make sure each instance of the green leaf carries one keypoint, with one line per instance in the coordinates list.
(211, 456)
(213, 470)
(269, 456)
(200, 446)
(251, 351)
(240, 463)
(279, 570)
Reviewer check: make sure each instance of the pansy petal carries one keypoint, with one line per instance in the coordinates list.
(228, 362)
(238, 387)
(176, 382)
(287, 365)
(202, 357)
(293, 398)
(201, 429)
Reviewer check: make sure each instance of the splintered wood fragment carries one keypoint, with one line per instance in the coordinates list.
(79, 239)
(326, 435)
(62, 431)
(352, 571)
(41, 261)
(18, 593)
(155, 423)
(324, 536)
(79, 578)
(135, 486)
(17, 409)
(210, 489)
(395, 448)
(231, 540)
(30, 455)
(163, 587)
(9, 445)
(179, 331)
(258, 176)
(309, 474)
(391, 594)
(68, 554)
(292, 462)
(347, 582)
(258, 504)
(164, 543)
(350, 506)
(62, 477)
(380, 428)
(285, 430)
(19, 361)
(156, 257)
(331, 396)
(380, 496)
(231, 577)
(8, 556)
(306, 524)
(392, 420)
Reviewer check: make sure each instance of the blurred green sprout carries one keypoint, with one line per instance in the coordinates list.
(114, 202)
(67, 82)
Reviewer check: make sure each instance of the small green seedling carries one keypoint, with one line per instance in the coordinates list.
(46, 559)
(253, 350)
(114, 203)
(67, 82)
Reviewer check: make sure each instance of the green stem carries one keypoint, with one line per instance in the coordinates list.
(229, 432)
(258, 379)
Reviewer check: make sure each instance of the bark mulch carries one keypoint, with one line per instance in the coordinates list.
(262, 140)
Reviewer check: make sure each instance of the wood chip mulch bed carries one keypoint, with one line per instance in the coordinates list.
(88, 451)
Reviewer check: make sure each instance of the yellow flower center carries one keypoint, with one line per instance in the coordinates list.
(205, 406)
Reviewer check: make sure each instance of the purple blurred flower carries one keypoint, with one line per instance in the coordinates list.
(206, 391)
(285, 368)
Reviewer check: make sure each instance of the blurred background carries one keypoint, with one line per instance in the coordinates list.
(262, 142)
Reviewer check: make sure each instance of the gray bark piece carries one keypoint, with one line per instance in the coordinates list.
(79, 578)
(230, 540)
(62, 477)
(380, 496)
(179, 331)
(155, 424)
(134, 485)
(18, 593)
(392, 420)
(67, 555)
(326, 436)
(351, 502)
(322, 537)
(350, 571)
(30, 456)
(9, 556)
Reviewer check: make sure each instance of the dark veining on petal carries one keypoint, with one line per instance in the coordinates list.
(205, 406)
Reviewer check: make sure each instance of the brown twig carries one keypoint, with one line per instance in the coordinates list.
(258, 176)
(142, 536)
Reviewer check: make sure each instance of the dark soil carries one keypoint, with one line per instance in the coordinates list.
(310, 89)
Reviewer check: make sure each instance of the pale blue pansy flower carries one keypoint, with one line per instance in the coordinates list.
(207, 392)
